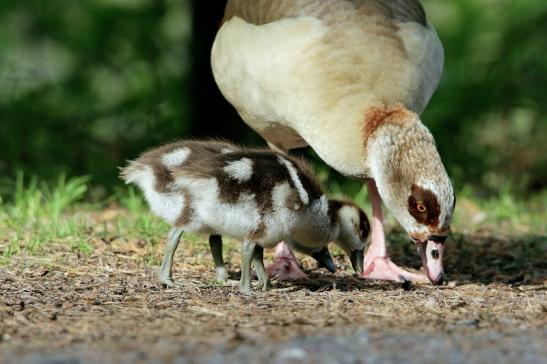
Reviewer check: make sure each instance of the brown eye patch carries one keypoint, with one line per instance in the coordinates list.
(423, 206)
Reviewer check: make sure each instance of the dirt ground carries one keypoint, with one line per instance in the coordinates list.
(109, 307)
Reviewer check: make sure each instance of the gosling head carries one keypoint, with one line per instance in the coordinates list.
(320, 254)
(353, 231)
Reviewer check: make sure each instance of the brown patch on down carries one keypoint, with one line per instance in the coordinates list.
(267, 173)
(377, 116)
(334, 206)
(364, 225)
(187, 212)
(422, 196)
(164, 176)
(259, 232)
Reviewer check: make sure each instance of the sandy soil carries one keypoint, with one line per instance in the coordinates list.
(109, 307)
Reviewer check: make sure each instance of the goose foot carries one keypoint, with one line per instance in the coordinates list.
(285, 266)
(377, 264)
(383, 268)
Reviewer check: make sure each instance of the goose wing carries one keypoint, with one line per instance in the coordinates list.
(305, 72)
(384, 37)
(260, 12)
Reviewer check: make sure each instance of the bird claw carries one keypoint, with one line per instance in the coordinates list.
(265, 286)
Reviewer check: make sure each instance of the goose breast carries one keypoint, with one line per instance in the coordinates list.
(305, 72)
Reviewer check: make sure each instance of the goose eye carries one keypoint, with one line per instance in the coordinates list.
(421, 207)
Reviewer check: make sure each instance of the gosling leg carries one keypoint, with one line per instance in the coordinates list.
(166, 268)
(215, 243)
(246, 276)
(263, 277)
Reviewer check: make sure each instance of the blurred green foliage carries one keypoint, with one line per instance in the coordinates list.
(489, 114)
(86, 84)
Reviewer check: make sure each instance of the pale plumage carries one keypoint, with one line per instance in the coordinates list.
(348, 78)
(316, 66)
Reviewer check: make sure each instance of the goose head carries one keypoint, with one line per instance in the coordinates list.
(414, 185)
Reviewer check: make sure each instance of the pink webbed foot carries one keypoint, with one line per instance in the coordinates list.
(383, 268)
(377, 264)
(285, 266)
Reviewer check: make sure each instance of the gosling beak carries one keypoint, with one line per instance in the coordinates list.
(356, 258)
(324, 259)
(431, 252)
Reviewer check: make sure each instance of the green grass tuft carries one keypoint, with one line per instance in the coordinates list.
(35, 213)
(505, 211)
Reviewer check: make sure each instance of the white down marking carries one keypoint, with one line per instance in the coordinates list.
(349, 220)
(240, 170)
(168, 205)
(175, 157)
(237, 220)
(294, 176)
(280, 193)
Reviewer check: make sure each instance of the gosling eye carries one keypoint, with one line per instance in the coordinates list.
(421, 207)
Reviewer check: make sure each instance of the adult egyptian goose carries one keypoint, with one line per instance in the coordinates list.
(258, 196)
(348, 78)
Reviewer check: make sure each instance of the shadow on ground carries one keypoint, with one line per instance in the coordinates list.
(484, 258)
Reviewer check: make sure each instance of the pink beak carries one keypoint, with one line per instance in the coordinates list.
(431, 252)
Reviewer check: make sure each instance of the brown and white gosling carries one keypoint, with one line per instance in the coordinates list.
(215, 147)
(258, 196)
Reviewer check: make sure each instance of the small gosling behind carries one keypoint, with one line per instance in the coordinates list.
(258, 196)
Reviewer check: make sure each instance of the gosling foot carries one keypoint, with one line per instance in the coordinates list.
(170, 283)
(285, 266)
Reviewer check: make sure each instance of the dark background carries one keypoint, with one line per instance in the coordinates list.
(85, 85)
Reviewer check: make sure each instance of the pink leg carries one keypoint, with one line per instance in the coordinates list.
(377, 264)
(285, 266)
